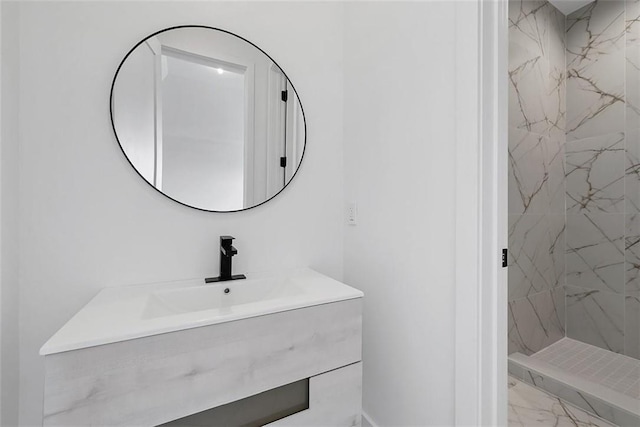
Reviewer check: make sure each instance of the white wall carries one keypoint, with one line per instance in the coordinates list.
(89, 221)
(400, 168)
(134, 109)
(9, 241)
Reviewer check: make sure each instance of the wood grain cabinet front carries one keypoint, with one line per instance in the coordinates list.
(160, 378)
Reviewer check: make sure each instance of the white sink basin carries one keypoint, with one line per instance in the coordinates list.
(222, 296)
(128, 312)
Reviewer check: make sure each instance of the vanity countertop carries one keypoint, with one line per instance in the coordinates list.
(128, 312)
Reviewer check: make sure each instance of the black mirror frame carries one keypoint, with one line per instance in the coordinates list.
(304, 119)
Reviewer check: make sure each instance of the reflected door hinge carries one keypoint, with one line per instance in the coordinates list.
(284, 95)
(504, 257)
(283, 162)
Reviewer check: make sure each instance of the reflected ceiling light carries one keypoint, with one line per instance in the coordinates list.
(220, 71)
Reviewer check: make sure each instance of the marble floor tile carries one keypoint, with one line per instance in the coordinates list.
(595, 317)
(595, 251)
(531, 407)
(595, 174)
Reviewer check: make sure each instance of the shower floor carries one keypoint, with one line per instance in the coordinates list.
(615, 371)
(599, 381)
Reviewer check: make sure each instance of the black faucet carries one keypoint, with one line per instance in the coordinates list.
(226, 253)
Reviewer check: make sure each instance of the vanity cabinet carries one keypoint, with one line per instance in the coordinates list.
(156, 379)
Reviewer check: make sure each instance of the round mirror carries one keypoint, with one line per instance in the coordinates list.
(207, 118)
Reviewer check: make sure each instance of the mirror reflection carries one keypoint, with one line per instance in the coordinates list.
(207, 118)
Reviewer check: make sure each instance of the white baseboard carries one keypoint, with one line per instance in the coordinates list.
(367, 421)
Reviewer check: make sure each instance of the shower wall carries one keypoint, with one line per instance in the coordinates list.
(574, 175)
(536, 175)
(602, 175)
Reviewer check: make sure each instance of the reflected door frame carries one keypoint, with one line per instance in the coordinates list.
(285, 131)
(235, 64)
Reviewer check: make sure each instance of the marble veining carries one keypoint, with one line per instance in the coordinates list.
(632, 22)
(596, 380)
(595, 70)
(595, 251)
(536, 258)
(531, 407)
(557, 77)
(574, 174)
(578, 397)
(537, 125)
(632, 171)
(632, 182)
(527, 24)
(536, 68)
(632, 325)
(527, 65)
(528, 172)
(632, 252)
(632, 87)
(595, 317)
(595, 174)
(632, 56)
(536, 321)
(527, 87)
(603, 174)
(536, 173)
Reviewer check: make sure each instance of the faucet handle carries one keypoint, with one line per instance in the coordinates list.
(229, 251)
(225, 241)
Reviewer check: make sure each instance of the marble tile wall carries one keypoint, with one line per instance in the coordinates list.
(537, 122)
(603, 175)
(632, 181)
(595, 39)
(574, 175)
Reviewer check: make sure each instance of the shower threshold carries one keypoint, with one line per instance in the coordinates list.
(599, 381)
